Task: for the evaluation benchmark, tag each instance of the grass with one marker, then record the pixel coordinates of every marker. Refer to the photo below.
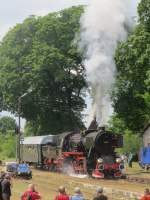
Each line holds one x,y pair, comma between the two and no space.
137,171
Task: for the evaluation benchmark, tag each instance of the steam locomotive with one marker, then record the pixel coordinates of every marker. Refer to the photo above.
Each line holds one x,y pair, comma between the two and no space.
102,160
89,152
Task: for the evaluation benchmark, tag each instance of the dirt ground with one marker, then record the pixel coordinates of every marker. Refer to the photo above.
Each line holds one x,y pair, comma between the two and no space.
47,184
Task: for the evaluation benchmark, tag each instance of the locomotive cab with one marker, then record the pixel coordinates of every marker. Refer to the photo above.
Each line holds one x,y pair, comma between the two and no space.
72,154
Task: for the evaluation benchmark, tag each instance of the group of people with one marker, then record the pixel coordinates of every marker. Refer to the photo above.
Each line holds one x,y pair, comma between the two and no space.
62,195
32,194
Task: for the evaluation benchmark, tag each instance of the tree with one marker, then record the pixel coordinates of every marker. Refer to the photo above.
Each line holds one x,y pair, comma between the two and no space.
147,93
135,140
144,13
117,125
133,63
7,124
40,54
7,146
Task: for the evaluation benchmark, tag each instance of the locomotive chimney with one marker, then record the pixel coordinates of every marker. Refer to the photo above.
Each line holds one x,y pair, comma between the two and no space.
93,124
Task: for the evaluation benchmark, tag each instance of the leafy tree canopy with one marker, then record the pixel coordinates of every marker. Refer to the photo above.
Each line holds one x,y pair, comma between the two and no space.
117,125
40,54
132,93
144,13
7,124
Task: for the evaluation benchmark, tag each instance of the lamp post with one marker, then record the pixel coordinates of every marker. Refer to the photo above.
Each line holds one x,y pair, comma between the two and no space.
19,124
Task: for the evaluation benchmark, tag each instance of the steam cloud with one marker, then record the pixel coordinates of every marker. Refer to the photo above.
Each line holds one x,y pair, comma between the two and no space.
103,24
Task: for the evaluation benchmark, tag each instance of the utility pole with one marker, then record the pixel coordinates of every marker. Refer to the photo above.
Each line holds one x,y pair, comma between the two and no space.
19,129
18,154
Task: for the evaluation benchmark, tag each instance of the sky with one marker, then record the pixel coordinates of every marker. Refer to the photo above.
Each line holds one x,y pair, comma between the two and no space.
15,11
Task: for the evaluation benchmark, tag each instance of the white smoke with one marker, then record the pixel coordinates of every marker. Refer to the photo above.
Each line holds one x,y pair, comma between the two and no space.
69,170
103,24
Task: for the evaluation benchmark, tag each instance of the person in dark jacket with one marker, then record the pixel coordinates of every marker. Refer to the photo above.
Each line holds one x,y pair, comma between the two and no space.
100,195
2,176
6,188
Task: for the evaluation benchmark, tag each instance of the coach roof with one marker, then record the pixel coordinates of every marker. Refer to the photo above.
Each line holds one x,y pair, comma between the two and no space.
45,139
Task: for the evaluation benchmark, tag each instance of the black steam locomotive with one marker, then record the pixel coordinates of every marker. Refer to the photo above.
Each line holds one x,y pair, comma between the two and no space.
91,151
102,160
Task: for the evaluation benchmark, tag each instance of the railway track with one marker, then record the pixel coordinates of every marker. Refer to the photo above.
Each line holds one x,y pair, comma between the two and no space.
128,177
135,179
138,179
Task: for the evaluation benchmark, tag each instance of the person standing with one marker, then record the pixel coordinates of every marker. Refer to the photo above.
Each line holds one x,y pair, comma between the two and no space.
146,195
62,194
31,193
100,195
2,176
78,195
6,187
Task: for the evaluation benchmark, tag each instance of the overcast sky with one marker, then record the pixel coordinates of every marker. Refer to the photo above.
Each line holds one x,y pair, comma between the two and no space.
15,11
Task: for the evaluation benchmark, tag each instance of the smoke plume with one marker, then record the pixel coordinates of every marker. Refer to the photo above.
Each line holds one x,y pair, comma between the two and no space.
103,24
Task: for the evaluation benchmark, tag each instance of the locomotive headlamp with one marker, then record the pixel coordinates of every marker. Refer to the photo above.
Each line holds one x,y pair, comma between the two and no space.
101,167
121,166
118,160
100,160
